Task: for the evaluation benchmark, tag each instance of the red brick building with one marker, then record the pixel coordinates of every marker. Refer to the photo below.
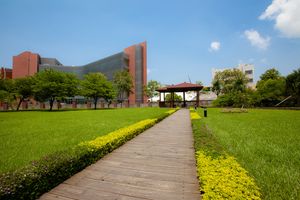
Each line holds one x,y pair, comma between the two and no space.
133,58
5,73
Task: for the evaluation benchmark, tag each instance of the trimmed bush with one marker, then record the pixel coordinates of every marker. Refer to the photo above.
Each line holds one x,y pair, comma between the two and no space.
169,112
42,175
223,178
194,115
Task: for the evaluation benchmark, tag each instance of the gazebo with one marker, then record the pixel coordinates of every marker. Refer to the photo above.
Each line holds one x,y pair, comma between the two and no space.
172,89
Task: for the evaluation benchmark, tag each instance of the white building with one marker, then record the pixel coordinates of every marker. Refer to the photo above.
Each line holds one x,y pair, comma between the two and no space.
247,69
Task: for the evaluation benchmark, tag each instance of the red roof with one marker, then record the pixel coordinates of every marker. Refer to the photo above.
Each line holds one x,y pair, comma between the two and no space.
181,87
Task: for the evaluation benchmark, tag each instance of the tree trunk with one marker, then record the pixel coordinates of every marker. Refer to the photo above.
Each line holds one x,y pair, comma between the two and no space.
58,105
95,102
19,104
51,103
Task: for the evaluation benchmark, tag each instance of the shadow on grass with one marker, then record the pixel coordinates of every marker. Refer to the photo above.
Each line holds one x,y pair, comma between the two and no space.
205,139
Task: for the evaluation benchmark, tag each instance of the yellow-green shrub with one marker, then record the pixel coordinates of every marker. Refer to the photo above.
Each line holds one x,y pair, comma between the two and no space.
169,112
118,136
194,115
223,178
192,109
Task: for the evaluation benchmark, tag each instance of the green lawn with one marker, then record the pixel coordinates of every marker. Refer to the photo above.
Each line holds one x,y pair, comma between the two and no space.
265,142
26,136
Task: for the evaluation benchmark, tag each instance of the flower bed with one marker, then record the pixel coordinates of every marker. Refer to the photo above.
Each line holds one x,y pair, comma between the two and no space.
42,175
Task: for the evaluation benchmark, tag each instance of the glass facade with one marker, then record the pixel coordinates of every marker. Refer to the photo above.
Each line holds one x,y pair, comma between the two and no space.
108,66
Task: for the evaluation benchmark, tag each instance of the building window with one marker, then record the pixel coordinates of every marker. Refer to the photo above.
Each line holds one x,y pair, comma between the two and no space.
250,80
248,72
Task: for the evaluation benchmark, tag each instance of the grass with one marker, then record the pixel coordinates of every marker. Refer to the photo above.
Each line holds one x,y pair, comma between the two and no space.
27,136
265,142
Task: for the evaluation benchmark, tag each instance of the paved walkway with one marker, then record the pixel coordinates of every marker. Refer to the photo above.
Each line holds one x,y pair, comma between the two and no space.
157,164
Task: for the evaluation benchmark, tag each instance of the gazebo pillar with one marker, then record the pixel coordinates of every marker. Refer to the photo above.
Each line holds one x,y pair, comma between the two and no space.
197,99
184,103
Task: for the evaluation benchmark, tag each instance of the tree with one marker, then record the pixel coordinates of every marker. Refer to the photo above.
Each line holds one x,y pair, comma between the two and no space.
54,85
199,83
24,89
176,97
230,87
123,83
229,81
216,86
270,74
96,86
293,86
271,88
7,91
151,88
236,99
206,89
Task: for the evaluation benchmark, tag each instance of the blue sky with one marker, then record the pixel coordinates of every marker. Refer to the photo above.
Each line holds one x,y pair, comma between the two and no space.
185,38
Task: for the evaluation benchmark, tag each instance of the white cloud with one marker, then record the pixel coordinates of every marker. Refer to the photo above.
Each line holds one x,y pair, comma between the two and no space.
148,71
257,40
286,15
215,46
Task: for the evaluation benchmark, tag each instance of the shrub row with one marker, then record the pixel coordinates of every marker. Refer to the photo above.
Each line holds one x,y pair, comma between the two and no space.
194,114
220,175
223,178
42,175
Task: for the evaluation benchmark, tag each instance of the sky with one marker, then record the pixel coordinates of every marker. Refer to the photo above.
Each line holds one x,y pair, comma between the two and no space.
185,38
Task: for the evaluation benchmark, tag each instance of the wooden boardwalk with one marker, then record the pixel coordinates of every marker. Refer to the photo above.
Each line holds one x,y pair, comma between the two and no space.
158,164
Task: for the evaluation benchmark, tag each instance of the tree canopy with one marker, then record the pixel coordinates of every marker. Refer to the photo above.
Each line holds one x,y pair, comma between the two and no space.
293,86
151,88
176,97
7,91
229,81
96,86
271,88
123,84
270,74
24,89
199,83
54,85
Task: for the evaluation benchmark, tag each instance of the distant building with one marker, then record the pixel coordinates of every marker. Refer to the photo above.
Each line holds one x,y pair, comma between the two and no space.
5,73
133,58
247,69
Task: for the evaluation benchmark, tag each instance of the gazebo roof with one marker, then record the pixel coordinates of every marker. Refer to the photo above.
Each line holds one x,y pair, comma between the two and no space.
182,87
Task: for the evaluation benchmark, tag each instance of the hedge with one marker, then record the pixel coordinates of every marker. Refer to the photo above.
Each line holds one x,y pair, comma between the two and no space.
224,178
44,174
194,114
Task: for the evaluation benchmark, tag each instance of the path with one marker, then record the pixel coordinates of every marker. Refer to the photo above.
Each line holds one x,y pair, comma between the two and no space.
157,164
